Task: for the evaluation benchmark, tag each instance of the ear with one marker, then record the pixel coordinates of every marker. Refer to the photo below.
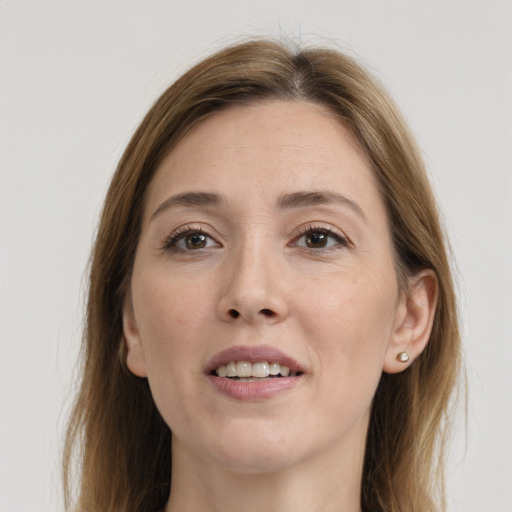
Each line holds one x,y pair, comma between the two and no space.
413,322
135,359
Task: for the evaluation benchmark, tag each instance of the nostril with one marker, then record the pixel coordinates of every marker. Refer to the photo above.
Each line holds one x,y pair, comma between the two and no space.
233,313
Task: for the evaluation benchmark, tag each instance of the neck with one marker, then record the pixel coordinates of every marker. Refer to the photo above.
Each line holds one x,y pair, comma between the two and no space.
329,482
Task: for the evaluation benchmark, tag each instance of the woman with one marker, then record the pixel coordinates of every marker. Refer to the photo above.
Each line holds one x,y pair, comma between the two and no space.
270,284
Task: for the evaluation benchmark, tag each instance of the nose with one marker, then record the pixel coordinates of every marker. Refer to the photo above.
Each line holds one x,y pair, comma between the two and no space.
254,288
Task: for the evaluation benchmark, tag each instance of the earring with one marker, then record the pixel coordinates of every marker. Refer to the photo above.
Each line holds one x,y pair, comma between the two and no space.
403,357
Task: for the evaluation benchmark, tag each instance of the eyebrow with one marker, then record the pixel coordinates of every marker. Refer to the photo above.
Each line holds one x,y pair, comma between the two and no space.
190,199
285,202
315,198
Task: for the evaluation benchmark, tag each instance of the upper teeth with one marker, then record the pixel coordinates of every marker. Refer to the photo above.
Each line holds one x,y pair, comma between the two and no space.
244,369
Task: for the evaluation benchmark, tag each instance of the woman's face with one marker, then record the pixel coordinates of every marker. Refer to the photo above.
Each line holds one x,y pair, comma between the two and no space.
264,240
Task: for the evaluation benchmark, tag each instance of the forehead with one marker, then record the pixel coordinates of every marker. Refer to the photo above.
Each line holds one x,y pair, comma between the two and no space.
267,149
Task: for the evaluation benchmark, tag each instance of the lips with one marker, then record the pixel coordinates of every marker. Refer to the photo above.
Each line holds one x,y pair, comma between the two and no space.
253,355
253,389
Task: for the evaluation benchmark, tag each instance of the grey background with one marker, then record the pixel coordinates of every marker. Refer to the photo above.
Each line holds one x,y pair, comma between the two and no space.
76,78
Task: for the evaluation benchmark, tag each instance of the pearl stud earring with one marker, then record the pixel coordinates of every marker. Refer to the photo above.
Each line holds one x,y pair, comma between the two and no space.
403,357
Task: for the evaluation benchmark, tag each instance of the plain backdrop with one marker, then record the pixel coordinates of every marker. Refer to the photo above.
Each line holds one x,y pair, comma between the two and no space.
75,79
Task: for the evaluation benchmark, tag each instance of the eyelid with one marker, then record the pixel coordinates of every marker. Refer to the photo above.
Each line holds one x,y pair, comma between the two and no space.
178,234
310,227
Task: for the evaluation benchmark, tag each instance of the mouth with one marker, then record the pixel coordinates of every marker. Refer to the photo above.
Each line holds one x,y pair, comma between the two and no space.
253,373
248,372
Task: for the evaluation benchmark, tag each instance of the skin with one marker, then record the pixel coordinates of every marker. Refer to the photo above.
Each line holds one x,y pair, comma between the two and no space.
337,310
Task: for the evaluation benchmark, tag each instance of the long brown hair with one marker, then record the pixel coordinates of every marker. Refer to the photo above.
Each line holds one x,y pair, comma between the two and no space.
119,443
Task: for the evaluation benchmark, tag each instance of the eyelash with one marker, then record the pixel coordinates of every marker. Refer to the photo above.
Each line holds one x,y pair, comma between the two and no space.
341,240
170,243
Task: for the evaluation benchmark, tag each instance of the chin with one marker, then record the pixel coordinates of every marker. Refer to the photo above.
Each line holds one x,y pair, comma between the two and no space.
254,448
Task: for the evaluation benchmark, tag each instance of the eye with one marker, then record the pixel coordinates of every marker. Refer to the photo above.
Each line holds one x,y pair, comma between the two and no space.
320,238
190,240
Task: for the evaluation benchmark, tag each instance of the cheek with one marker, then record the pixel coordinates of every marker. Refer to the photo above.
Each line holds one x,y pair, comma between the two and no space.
171,316
350,324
